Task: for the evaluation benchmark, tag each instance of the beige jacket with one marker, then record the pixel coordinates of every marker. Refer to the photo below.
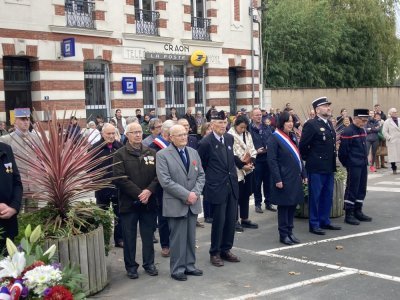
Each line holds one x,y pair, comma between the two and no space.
240,149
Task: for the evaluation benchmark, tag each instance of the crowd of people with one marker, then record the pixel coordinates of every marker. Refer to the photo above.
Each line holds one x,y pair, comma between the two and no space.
167,172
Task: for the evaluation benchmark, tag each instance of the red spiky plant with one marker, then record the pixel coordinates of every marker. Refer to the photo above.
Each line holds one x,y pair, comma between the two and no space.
62,169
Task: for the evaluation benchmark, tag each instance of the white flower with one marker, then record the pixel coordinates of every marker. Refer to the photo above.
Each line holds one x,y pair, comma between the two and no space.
12,267
42,277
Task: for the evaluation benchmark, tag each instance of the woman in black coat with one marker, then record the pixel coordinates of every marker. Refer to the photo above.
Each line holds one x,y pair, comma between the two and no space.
288,175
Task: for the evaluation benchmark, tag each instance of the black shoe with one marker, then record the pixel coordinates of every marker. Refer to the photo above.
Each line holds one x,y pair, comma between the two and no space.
359,215
208,220
331,227
249,224
152,271
317,231
133,274
155,241
269,207
294,239
350,219
286,240
259,210
195,272
179,276
238,227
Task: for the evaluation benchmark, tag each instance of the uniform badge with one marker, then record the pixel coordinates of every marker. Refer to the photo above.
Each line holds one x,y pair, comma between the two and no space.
229,147
146,160
8,167
151,159
322,129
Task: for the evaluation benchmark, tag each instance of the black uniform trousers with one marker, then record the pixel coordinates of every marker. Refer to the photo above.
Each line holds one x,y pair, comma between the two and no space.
356,187
130,220
104,203
285,219
223,225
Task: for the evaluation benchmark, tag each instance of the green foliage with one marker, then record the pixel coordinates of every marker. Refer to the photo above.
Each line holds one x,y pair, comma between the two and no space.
330,43
81,218
72,279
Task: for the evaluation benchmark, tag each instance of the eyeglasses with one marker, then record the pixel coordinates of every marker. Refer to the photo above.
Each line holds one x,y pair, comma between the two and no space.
135,132
180,135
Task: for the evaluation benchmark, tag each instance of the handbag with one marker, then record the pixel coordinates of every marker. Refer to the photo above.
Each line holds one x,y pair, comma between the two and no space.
381,137
382,151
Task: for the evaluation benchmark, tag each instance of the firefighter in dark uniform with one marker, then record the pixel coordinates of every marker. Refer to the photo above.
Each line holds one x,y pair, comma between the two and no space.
318,149
354,157
10,194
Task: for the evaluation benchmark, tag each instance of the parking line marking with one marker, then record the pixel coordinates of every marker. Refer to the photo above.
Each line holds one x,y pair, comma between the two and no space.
387,183
331,239
294,285
383,189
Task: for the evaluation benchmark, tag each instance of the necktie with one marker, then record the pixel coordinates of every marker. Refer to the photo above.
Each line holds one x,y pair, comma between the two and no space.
183,157
221,140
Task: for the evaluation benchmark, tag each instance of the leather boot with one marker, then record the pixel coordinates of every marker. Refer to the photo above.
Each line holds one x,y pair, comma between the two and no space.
350,219
359,215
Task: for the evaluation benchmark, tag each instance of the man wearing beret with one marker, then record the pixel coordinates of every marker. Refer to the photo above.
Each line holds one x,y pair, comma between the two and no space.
22,142
353,155
318,149
221,188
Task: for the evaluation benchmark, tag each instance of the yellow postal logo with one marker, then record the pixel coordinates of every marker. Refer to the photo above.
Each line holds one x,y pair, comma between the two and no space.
198,58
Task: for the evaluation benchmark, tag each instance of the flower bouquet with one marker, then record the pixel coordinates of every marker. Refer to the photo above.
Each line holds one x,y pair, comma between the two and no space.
28,272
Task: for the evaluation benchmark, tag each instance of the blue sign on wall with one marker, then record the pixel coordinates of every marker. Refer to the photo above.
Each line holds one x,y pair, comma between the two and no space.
129,85
68,47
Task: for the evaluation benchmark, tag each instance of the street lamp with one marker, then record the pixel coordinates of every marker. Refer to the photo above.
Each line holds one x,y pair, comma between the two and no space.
255,18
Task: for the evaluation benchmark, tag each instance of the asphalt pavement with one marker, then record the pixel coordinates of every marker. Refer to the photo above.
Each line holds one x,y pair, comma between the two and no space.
357,262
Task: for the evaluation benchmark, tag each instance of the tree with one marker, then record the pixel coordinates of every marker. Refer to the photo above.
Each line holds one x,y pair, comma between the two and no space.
336,43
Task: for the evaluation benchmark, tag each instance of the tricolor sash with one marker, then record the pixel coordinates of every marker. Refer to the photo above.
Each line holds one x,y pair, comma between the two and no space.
289,145
160,142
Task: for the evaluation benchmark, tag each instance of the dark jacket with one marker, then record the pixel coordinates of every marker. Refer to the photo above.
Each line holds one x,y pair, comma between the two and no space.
10,190
318,146
353,147
192,123
104,195
260,138
140,168
219,167
285,168
372,128
193,142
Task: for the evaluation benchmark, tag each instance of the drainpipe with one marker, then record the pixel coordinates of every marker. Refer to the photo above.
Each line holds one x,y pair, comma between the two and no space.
251,8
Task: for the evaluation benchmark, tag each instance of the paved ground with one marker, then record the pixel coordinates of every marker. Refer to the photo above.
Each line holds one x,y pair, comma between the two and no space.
358,262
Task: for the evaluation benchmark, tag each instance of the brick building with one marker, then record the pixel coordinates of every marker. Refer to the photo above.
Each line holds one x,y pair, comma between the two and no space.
75,54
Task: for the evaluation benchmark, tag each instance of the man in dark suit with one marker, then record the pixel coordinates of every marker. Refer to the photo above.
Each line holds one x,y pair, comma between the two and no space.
181,176
221,188
192,139
318,149
10,194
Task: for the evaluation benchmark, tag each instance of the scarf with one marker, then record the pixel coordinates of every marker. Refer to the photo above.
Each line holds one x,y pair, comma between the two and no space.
289,145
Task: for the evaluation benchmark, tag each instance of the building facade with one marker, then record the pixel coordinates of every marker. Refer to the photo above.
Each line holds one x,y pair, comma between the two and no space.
92,57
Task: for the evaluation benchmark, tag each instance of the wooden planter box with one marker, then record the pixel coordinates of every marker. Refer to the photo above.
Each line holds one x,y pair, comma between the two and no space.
87,252
337,205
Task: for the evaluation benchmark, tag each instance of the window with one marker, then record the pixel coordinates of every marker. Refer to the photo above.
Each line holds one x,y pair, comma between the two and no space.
80,13
146,17
199,89
149,91
96,89
175,87
200,24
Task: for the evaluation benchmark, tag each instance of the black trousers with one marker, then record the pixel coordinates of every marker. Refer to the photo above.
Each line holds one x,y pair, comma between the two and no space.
285,219
243,201
223,225
374,147
262,178
356,187
163,229
9,229
129,232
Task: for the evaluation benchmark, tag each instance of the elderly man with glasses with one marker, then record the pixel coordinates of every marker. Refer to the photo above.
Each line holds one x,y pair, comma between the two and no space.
135,165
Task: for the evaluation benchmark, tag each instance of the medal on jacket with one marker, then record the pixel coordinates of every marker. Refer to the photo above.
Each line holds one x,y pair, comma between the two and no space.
8,167
146,160
151,160
195,165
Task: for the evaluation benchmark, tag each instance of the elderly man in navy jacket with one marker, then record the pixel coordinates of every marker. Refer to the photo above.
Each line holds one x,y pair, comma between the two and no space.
221,188
318,149
353,155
